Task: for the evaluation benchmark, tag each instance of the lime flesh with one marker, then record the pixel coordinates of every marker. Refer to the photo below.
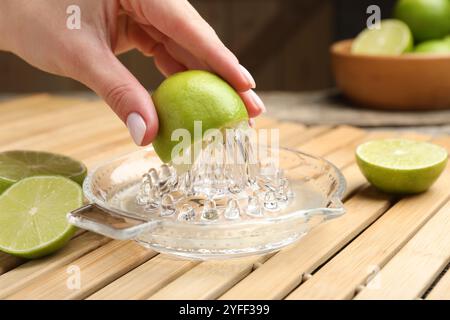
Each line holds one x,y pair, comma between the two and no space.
191,96
18,164
392,38
401,166
33,215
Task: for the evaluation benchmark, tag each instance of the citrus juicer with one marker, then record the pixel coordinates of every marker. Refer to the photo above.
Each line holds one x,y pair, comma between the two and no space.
216,208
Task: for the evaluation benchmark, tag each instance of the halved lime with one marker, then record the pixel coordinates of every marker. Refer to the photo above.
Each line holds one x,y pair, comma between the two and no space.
401,166
33,215
393,37
190,96
18,164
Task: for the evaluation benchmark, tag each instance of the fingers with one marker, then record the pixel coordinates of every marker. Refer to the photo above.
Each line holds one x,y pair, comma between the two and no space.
165,63
253,102
179,21
123,93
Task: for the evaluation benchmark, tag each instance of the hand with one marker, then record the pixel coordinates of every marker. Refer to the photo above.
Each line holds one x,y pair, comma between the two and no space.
171,31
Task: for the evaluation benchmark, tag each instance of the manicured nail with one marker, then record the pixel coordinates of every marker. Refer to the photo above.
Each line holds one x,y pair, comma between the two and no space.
257,100
251,123
137,127
248,76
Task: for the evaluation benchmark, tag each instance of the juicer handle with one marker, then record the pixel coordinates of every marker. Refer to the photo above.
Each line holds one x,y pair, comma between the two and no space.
93,218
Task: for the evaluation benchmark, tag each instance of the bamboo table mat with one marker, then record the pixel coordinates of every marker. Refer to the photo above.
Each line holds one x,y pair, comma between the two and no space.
382,248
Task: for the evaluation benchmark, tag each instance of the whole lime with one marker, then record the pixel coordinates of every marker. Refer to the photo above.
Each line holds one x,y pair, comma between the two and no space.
190,96
401,166
428,19
434,46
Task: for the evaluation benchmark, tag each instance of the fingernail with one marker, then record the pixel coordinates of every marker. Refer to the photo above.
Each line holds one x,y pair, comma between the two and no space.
137,127
251,123
257,100
248,76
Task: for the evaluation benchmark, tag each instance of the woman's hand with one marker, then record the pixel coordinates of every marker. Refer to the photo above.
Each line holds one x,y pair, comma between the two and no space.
171,31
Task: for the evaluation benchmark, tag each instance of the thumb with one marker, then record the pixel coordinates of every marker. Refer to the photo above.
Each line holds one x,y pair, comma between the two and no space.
125,95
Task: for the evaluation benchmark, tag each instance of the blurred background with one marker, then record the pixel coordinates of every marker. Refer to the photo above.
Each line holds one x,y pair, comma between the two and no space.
284,43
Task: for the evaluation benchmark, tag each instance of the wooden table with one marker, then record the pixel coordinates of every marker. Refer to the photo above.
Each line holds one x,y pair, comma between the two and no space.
381,248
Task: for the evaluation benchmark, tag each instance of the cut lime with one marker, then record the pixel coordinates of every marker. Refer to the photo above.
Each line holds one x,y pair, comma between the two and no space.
191,96
19,164
401,166
393,37
33,215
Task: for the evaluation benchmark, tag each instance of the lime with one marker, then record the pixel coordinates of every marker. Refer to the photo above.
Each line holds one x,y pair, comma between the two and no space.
433,46
16,165
33,215
401,166
428,19
447,39
392,38
190,96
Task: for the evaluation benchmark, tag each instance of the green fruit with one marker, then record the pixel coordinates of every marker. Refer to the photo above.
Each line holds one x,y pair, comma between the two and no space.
33,215
401,166
447,39
16,165
433,46
392,38
190,96
428,19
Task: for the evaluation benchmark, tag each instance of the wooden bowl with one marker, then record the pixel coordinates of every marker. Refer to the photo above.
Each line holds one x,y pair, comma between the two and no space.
413,82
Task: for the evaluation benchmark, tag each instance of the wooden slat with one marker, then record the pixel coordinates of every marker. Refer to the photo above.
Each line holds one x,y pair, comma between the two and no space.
332,140
98,268
414,268
284,271
209,279
8,262
289,131
340,277
346,155
311,133
61,116
27,106
145,280
19,277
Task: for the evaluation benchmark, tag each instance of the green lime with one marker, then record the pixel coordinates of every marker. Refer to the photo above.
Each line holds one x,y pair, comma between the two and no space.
393,37
19,164
433,46
447,39
33,215
401,166
428,19
190,96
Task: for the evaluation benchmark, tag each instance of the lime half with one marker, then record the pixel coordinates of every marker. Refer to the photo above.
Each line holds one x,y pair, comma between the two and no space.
401,166
33,215
393,37
19,164
194,96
